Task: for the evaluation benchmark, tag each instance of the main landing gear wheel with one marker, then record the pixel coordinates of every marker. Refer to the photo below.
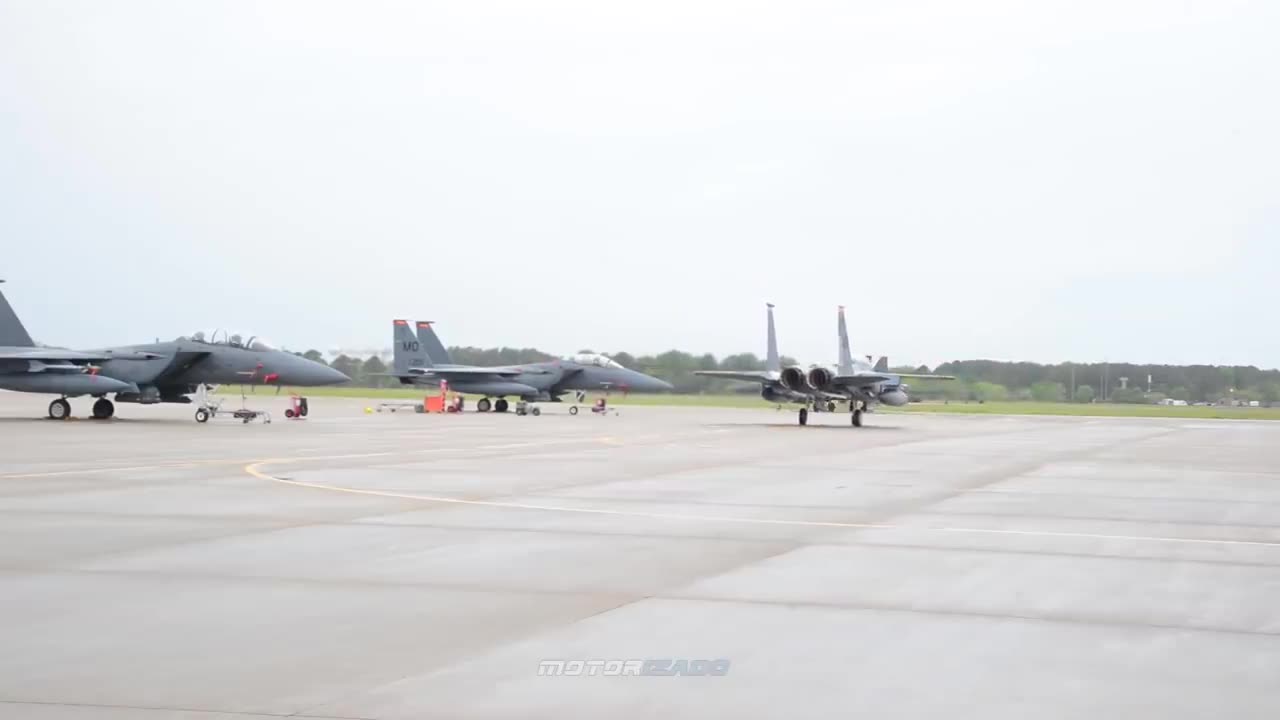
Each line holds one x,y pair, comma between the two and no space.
804,416
501,405
857,418
103,409
573,409
202,415
483,405
60,409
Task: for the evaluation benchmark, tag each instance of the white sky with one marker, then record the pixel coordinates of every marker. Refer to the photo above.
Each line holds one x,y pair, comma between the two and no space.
1018,180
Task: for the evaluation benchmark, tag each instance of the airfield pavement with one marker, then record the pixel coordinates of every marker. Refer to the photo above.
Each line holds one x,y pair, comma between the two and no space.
410,566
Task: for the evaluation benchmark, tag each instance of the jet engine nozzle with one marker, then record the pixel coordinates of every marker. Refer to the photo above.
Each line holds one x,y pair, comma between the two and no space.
793,378
820,377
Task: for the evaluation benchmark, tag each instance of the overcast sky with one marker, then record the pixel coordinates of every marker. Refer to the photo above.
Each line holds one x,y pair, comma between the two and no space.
1016,180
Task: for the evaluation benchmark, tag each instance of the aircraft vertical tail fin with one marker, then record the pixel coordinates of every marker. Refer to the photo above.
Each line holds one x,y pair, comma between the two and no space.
431,344
772,362
406,351
845,358
11,330
882,365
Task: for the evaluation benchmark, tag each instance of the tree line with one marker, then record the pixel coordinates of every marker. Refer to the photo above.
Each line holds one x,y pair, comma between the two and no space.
977,380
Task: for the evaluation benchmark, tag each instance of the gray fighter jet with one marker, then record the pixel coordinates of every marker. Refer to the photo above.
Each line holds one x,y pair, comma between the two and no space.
423,360
853,381
159,372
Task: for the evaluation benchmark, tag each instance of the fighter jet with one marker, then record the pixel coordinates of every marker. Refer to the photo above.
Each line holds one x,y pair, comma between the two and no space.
821,386
423,360
159,372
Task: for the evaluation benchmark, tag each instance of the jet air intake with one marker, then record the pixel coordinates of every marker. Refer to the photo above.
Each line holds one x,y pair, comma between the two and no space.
793,379
820,377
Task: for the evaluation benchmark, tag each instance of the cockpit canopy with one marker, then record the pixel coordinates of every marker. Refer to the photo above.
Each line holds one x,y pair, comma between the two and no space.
594,359
222,337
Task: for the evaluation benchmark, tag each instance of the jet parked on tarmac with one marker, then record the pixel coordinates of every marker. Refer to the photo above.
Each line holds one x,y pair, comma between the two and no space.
856,382
423,360
147,374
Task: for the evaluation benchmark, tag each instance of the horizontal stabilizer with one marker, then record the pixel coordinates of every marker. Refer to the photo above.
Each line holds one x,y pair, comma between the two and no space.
760,376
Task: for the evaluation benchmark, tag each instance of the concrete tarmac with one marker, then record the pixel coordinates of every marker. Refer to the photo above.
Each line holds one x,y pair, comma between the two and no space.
358,565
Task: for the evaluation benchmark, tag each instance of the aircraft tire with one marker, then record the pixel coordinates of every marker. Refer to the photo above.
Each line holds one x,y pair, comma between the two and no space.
573,409
60,409
103,409
202,415
536,412
483,405
804,416
857,418
501,405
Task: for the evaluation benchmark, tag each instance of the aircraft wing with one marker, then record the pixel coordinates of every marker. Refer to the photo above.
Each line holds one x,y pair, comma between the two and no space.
925,376
39,353
860,379
760,376
864,379
466,372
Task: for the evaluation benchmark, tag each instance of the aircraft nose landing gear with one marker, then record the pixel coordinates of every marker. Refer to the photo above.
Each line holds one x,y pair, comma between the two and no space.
855,417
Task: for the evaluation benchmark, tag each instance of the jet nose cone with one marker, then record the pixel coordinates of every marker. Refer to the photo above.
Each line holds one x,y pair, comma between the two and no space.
640,382
329,376
301,372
